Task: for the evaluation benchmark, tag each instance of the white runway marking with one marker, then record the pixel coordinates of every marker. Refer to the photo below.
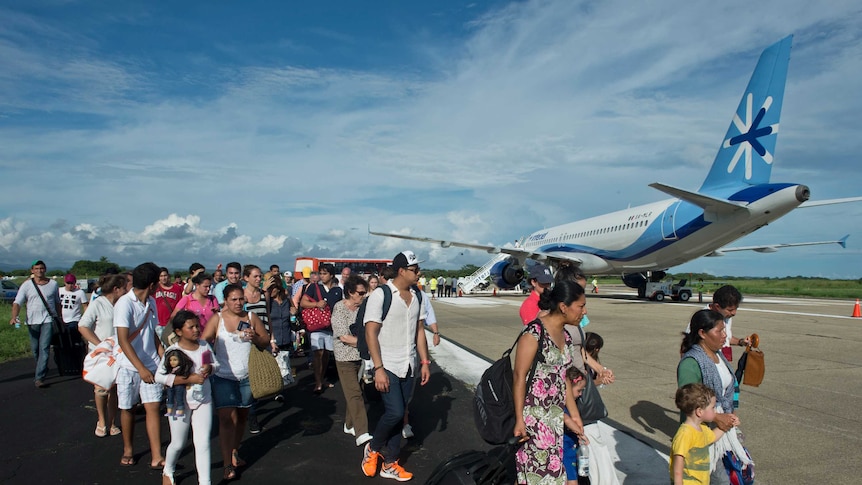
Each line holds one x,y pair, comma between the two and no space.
467,301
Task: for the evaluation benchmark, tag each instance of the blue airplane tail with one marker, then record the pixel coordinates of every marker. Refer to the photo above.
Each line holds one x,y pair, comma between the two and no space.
746,154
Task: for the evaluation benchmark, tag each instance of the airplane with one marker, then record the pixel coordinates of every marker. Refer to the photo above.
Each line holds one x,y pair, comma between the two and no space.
641,243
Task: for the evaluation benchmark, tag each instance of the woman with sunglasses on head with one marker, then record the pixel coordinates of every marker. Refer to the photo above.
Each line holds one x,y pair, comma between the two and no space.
281,310
325,293
347,359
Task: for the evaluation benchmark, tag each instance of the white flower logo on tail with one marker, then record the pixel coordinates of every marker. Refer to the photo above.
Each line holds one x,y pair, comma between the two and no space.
750,130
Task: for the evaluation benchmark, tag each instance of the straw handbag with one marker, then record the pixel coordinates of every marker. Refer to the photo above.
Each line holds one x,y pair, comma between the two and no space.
264,376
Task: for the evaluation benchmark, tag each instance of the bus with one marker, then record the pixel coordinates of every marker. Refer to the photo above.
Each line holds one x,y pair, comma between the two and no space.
362,266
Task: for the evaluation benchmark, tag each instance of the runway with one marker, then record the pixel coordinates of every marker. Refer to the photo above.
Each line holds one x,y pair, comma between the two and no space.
801,425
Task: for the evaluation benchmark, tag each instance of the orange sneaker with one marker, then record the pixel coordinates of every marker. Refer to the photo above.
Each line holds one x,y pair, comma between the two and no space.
394,470
369,461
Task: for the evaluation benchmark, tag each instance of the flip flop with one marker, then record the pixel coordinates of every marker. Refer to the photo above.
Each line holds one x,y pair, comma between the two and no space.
229,472
101,431
127,461
158,466
115,431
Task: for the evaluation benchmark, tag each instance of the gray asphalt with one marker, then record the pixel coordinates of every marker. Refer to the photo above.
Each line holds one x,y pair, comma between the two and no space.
801,425
48,435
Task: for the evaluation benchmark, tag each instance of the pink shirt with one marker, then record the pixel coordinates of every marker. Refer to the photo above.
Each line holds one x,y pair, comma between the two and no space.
203,312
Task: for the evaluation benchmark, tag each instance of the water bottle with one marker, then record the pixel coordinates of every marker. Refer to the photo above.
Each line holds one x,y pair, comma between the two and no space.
17,322
583,460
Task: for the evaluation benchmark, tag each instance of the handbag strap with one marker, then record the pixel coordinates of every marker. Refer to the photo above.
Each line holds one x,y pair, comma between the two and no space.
583,339
44,301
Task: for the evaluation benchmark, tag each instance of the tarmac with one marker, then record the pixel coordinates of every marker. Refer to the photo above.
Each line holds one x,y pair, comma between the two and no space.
798,424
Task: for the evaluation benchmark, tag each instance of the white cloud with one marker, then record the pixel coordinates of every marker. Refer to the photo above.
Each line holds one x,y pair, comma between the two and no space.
588,101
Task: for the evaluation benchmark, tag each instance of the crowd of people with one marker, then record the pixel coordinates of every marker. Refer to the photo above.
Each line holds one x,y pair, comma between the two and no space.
183,350
190,342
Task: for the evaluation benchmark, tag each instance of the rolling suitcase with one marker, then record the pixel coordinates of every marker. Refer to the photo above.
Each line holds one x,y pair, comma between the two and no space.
69,352
494,467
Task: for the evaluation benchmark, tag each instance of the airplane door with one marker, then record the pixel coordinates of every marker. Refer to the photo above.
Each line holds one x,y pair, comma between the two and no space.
668,226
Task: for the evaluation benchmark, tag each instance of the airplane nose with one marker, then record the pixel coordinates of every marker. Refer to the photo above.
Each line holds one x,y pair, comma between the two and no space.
802,193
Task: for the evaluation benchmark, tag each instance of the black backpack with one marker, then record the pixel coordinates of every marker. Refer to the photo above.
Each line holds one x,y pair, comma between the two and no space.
494,401
357,328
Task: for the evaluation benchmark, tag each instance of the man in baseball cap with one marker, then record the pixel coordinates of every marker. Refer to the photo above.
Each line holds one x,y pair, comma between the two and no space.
540,279
394,363
405,259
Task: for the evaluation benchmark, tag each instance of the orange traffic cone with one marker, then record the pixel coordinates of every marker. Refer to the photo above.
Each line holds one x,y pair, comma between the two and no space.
495,292
459,293
857,313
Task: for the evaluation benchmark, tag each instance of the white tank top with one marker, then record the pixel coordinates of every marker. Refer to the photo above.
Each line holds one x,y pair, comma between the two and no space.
231,354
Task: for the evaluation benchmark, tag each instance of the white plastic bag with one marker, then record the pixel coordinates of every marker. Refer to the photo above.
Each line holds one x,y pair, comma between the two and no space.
283,359
100,365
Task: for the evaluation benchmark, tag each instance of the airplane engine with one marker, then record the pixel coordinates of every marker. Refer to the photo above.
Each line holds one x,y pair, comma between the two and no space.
639,280
635,280
506,275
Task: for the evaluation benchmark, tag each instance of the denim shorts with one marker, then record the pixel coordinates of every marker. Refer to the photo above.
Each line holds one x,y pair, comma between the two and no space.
228,393
321,340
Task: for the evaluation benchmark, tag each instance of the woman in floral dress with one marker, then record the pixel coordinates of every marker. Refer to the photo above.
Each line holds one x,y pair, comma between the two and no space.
539,412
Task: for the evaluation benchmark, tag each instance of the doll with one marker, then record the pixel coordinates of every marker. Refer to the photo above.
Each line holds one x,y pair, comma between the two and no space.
179,364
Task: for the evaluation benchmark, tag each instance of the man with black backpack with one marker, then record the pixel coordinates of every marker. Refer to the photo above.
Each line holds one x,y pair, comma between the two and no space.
394,362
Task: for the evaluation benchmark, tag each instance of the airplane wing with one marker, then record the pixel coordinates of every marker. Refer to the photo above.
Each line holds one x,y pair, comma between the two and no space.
771,248
519,253
817,203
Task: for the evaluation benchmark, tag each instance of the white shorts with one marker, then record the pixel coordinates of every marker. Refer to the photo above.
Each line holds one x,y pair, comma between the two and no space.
130,388
321,340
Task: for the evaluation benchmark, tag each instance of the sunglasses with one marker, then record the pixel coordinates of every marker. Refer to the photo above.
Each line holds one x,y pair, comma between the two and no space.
361,293
411,268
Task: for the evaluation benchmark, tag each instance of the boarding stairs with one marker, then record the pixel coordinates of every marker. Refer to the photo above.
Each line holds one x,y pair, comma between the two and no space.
468,283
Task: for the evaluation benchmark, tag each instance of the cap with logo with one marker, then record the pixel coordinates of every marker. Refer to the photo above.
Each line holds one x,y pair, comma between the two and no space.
541,273
405,259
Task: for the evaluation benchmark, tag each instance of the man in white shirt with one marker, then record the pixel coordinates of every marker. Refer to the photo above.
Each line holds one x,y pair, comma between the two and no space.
135,320
393,343
40,320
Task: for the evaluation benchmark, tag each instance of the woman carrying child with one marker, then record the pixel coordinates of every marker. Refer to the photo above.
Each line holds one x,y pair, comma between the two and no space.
198,402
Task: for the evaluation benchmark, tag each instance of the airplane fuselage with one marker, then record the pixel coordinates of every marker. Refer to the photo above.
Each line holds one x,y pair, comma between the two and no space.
663,234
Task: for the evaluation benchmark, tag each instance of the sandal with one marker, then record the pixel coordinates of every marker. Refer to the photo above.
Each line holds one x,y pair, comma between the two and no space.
101,431
127,461
158,466
237,461
115,431
229,472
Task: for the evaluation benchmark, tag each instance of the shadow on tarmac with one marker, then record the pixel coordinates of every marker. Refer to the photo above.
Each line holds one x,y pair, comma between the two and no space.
48,434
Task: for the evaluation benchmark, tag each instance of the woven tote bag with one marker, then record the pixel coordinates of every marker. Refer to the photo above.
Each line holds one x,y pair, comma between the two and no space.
264,376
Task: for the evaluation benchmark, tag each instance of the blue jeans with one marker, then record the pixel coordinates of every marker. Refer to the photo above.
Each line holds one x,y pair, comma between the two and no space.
40,344
387,435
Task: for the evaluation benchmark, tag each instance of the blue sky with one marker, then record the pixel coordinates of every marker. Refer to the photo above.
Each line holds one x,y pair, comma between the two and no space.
258,131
